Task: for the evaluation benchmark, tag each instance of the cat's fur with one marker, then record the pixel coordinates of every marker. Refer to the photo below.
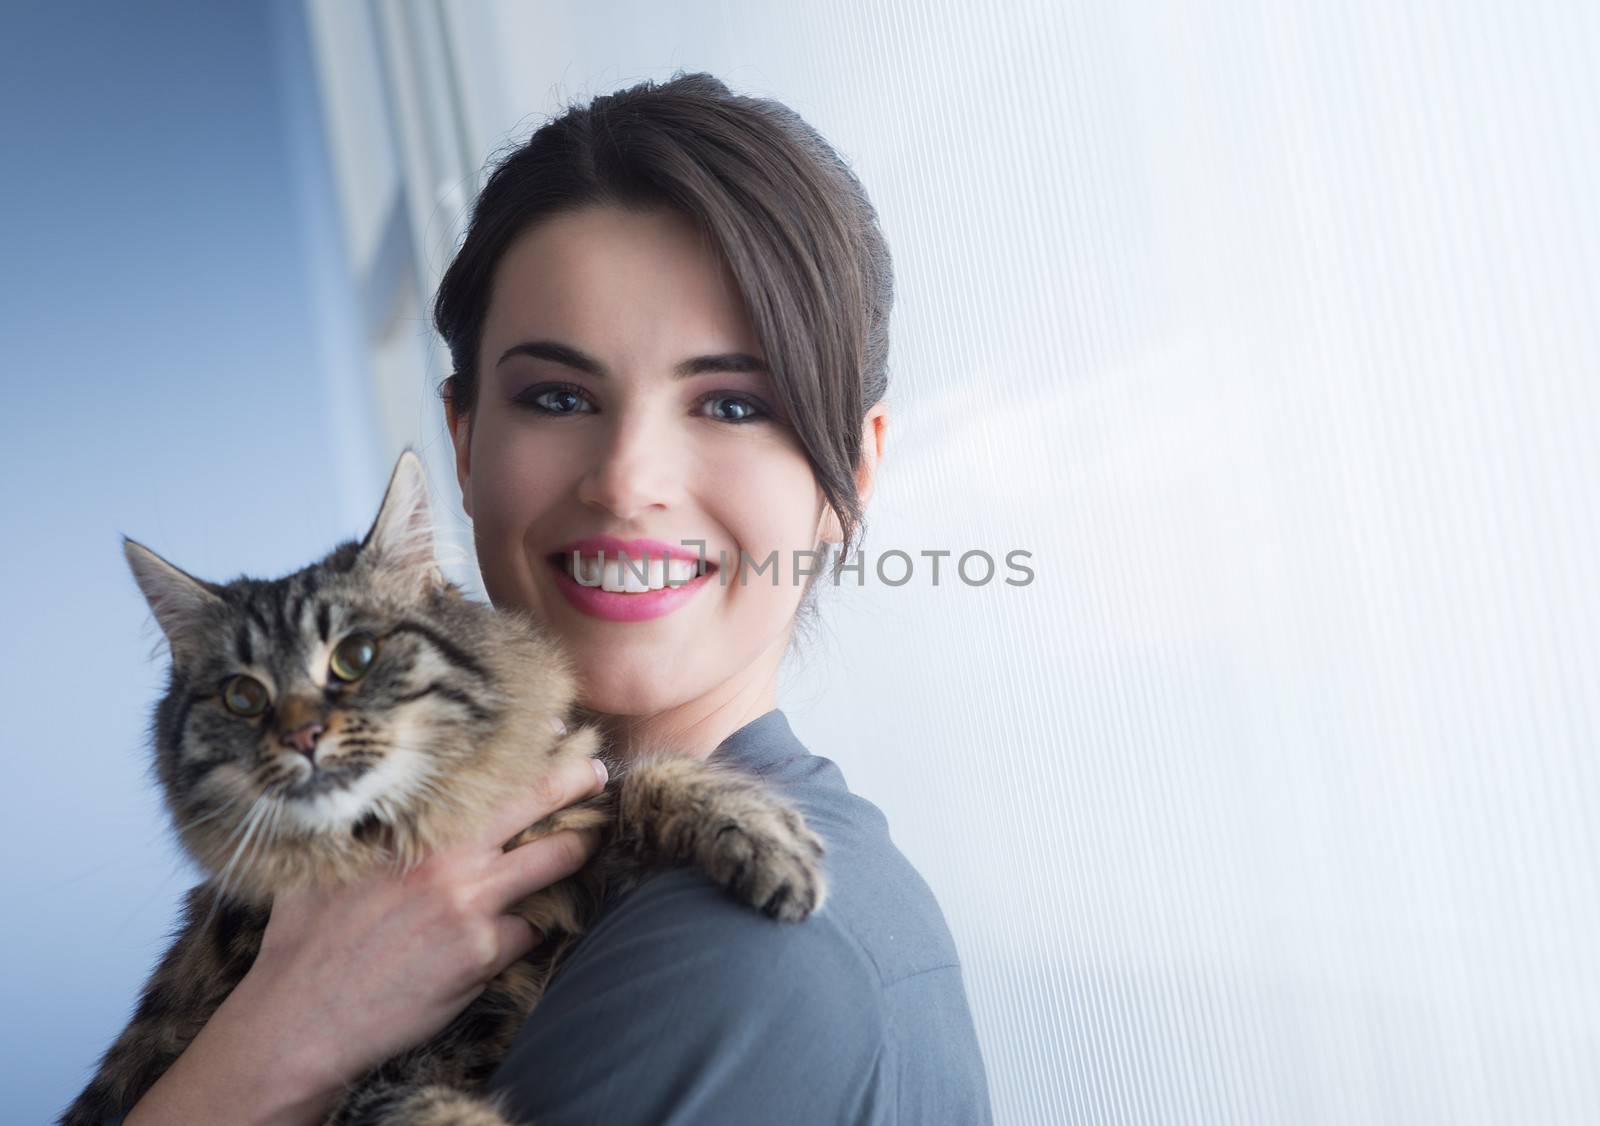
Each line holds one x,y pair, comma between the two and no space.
463,704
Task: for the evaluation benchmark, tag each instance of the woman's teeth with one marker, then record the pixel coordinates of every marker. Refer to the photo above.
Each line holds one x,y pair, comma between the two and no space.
622,576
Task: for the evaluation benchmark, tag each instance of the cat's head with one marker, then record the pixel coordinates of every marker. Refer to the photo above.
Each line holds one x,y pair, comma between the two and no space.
340,713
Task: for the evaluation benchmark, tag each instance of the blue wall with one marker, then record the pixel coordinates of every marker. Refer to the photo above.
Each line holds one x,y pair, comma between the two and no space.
171,266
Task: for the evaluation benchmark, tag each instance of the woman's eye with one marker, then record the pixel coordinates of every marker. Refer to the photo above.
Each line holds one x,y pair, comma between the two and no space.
551,400
353,656
244,696
741,410
563,399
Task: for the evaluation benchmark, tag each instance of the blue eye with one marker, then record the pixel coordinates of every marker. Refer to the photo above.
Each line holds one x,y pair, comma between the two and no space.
567,399
750,411
561,398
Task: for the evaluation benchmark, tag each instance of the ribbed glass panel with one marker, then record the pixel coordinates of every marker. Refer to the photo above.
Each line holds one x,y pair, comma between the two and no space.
1270,331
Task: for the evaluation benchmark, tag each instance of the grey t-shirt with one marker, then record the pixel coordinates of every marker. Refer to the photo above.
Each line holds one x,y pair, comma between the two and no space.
683,1006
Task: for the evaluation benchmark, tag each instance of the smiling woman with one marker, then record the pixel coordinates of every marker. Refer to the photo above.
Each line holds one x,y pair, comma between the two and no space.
652,417
668,324
668,328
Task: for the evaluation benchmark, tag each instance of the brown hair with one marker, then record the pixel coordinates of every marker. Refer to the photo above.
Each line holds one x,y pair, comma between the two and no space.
788,216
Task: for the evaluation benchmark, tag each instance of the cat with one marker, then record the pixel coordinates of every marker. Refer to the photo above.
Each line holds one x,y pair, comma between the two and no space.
421,709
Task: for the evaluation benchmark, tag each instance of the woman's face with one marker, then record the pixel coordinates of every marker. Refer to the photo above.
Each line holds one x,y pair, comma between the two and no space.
592,419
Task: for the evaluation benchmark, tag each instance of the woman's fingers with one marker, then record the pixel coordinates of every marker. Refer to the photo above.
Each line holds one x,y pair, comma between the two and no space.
538,864
516,937
442,927
566,780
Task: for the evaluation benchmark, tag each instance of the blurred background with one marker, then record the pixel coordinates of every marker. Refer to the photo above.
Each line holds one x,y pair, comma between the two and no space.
1270,330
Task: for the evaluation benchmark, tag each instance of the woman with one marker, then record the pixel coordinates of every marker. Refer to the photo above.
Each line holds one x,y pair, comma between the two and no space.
669,328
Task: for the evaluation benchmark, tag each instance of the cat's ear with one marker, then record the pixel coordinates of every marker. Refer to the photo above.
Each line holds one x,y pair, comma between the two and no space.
177,599
400,542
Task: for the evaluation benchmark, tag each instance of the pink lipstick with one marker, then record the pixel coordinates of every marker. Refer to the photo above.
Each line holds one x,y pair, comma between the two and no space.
636,556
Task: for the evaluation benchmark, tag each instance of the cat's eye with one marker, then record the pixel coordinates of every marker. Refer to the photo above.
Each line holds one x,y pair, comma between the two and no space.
353,656
244,695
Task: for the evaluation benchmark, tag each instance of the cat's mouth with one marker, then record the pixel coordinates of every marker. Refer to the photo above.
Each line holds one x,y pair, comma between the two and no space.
326,780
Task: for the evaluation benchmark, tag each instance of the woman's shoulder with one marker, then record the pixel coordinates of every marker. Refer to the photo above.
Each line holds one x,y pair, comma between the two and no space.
681,924
878,902
877,897
682,1004
880,922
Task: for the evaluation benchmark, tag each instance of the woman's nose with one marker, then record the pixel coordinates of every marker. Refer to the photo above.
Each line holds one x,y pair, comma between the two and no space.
635,470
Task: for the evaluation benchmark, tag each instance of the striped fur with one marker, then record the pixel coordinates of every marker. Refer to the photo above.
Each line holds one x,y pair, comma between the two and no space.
462,703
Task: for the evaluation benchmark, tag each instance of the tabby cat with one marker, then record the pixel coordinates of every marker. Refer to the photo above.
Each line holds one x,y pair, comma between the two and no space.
363,711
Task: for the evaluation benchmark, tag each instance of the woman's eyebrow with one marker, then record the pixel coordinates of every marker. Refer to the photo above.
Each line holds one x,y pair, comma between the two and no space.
571,357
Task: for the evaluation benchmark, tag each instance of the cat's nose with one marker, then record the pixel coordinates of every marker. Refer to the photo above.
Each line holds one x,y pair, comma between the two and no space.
303,739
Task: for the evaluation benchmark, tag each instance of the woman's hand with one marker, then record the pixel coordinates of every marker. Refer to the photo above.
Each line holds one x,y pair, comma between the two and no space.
349,977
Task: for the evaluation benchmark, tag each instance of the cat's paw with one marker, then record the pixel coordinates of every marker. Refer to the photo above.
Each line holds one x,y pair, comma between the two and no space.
770,859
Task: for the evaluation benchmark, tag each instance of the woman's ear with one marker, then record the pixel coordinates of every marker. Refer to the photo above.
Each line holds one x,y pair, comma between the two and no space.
874,440
460,425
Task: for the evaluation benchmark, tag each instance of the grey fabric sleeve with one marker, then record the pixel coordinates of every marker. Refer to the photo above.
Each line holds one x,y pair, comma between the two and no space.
686,1007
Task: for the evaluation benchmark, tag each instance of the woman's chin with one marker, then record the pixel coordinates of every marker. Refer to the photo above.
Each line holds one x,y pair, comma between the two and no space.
622,692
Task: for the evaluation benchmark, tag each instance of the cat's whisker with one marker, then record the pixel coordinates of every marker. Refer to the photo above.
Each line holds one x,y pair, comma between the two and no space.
203,818
244,821
265,837
223,876
234,865
257,810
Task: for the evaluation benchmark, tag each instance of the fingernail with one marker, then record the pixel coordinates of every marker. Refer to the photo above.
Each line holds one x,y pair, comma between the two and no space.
556,726
599,770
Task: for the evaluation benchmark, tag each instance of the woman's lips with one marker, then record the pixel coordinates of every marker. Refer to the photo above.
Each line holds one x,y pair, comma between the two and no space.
614,607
